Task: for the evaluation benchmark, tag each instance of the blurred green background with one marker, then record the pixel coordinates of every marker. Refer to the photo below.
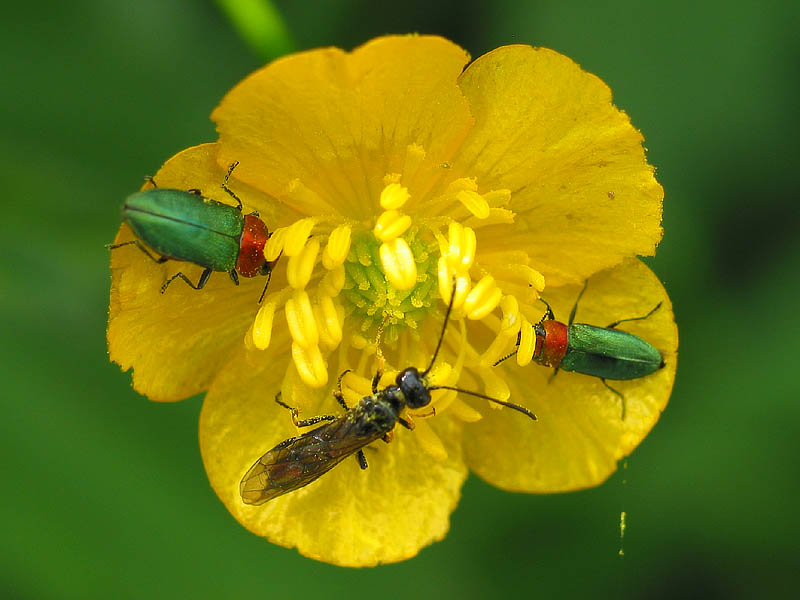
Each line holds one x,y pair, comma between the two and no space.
104,493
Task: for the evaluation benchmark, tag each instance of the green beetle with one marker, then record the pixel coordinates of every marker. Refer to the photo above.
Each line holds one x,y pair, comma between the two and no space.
183,225
604,352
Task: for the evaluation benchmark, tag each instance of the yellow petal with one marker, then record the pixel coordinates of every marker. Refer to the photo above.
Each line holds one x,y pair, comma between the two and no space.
580,435
585,196
315,116
410,495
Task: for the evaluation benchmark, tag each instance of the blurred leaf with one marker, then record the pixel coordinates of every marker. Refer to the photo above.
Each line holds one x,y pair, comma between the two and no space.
260,25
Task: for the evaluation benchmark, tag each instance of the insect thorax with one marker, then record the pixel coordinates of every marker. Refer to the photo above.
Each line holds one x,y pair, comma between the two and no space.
376,414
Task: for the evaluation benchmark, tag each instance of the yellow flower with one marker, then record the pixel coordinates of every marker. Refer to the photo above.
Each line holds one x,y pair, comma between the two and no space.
386,174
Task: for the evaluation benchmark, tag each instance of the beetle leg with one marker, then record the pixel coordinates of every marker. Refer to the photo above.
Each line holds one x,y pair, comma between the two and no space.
138,244
555,372
234,276
201,282
621,397
225,184
578,299
362,460
149,179
195,191
615,323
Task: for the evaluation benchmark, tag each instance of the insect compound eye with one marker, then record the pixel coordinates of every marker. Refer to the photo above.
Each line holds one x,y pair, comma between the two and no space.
414,389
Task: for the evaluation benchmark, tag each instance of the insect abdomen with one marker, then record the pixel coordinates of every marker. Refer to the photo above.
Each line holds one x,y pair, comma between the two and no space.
609,353
184,226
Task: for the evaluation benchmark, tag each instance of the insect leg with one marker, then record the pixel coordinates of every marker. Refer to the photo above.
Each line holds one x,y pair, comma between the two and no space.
362,460
138,244
578,299
555,372
200,284
615,323
225,184
234,276
621,397
150,180
338,394
303,422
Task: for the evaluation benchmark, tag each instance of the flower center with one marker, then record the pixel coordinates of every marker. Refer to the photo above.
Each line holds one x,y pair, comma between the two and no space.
370,295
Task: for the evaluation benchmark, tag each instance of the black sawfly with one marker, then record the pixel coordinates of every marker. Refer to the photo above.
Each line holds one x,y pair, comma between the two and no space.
298,461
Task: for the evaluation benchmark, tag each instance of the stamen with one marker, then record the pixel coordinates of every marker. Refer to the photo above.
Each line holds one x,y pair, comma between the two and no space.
296,235
483,299
310,365
474,203
462,246
300,266
429,441
398,264
300,320
338,246
494,385
445,277
274,245
391,224
527,343
333,281
261,332
463,411
394,196
329,317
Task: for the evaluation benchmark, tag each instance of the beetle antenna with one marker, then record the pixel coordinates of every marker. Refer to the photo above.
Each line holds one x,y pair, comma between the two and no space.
444,327
516,407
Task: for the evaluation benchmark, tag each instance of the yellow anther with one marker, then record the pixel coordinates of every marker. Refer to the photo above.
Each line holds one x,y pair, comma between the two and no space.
462,183
462,245
497,197
445,278
329,319
332,282
398,264
391,224
310,365
274,245
474,203
300,320
429,441
261,332
296,235
394,196
359,342
304,199
511,316
494,385
483,298
360,385
527,343
300,266
338,246
464,412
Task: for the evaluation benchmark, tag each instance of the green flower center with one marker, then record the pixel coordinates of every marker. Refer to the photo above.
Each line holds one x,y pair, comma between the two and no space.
368,296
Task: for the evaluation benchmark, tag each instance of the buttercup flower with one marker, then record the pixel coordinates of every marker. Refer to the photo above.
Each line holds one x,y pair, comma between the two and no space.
386,175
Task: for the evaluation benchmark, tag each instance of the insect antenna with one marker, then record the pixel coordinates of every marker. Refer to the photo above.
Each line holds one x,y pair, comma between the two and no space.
444,328
516,407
